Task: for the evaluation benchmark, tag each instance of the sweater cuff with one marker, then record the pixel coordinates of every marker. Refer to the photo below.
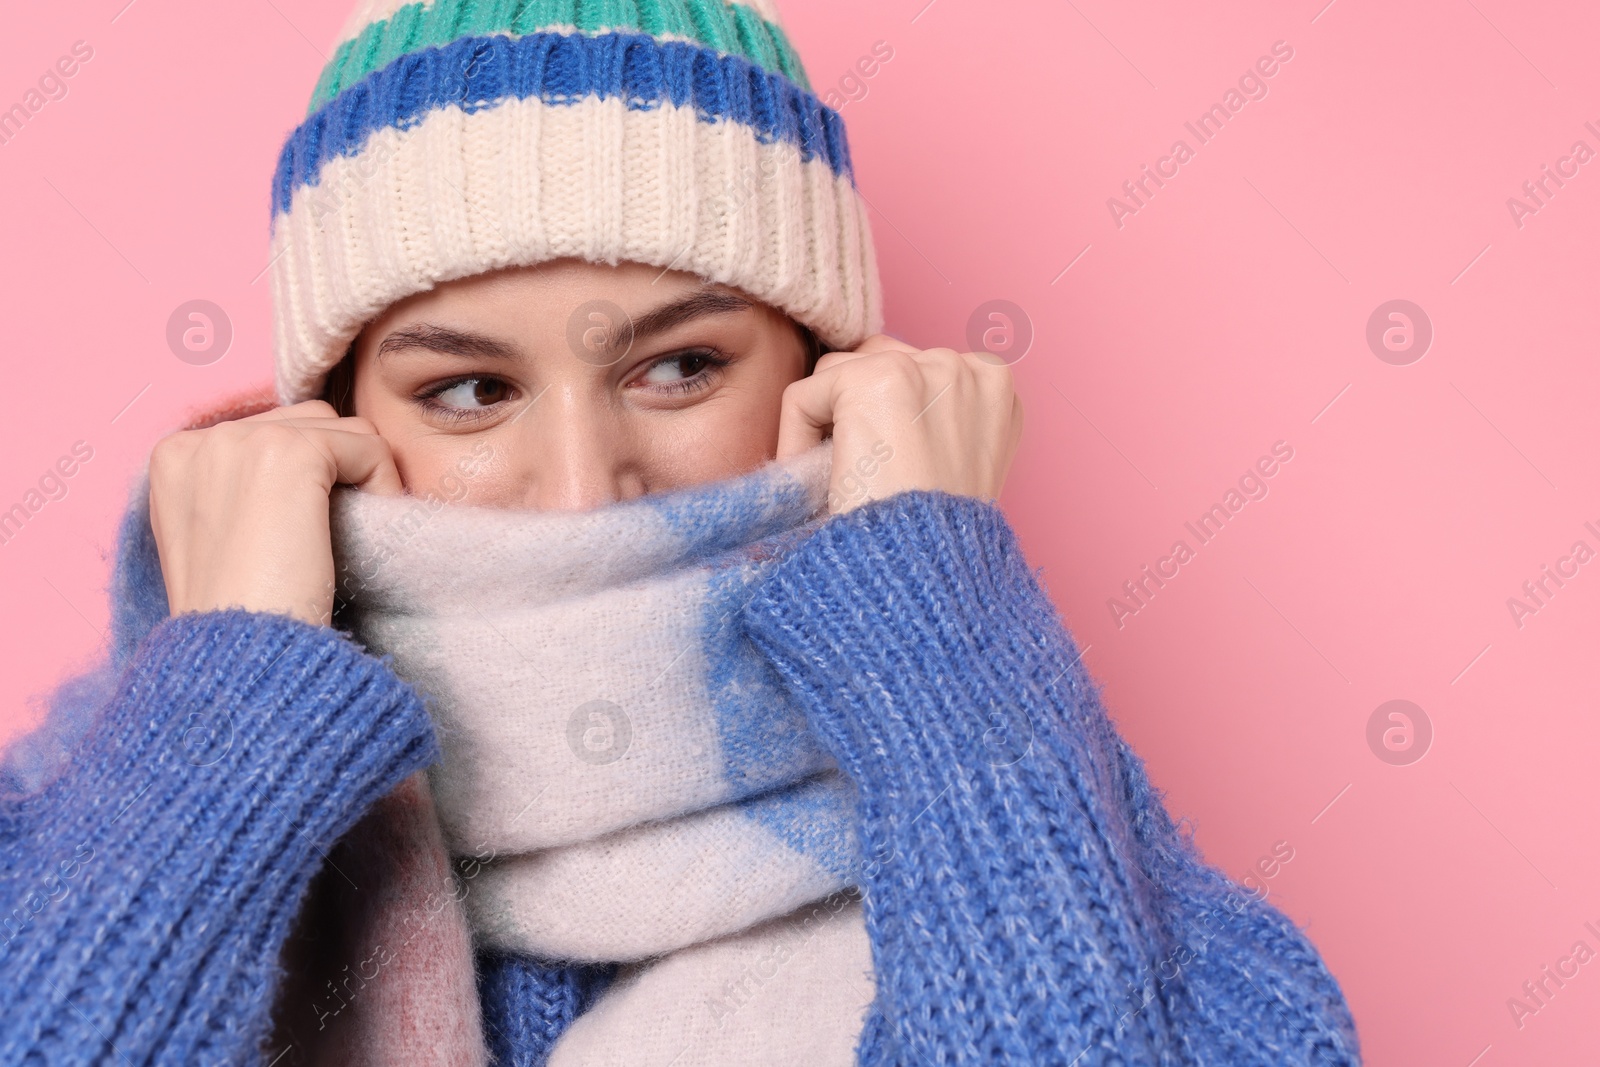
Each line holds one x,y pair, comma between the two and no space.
233,725
900,622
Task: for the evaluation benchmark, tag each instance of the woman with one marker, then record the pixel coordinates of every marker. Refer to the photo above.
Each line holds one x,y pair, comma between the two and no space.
844,792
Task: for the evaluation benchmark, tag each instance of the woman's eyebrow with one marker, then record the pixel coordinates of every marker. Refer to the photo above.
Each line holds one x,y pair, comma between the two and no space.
704,301
443,339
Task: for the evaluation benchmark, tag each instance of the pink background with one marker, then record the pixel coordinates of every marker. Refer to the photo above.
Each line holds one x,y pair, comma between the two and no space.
1227,314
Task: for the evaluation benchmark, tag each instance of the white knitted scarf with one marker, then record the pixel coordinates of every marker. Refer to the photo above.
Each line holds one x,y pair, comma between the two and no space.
625,776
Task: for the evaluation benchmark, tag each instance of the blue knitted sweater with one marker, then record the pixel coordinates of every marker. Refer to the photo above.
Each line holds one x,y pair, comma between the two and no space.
1027,896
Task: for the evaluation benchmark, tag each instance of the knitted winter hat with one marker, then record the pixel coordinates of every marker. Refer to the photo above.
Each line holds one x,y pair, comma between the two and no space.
451,137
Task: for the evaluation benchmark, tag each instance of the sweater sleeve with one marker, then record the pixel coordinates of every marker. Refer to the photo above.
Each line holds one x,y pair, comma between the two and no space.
147,889
1028,898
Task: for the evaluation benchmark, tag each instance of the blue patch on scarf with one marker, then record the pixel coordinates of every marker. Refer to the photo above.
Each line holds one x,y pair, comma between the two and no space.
765,739
717,516
816,819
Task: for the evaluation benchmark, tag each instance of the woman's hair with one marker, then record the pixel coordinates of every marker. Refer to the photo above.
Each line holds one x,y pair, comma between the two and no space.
339,388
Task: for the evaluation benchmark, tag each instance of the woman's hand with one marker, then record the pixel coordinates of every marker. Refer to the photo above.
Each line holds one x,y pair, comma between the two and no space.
905,419
240,509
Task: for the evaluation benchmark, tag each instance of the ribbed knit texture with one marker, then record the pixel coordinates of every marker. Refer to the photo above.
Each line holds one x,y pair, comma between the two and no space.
527,1004
1028,899
144,891
1025,887
455,137
728,29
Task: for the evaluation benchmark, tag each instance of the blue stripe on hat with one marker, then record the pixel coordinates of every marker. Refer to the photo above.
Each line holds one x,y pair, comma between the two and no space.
475,73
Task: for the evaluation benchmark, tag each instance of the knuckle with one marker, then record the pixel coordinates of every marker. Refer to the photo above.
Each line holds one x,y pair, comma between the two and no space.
316,409
903,364
894,373
165,449
170,454
183,445
991,369
227,434
272,443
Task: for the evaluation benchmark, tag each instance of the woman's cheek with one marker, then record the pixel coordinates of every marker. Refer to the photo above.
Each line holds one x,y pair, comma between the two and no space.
484,473
732,434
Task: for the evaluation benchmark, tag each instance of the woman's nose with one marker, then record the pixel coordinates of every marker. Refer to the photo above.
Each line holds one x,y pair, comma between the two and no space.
573,453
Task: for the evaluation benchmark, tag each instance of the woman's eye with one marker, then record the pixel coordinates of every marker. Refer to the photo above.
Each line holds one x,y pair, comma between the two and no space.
676,368
473,393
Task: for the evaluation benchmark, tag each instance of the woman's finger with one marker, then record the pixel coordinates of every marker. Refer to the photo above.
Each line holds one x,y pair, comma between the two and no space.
364,461
833,359
359,459
882,342
306,409
806,412
345,425
877,343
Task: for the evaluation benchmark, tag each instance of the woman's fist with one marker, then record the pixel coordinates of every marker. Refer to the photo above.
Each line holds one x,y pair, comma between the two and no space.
906,419
240,509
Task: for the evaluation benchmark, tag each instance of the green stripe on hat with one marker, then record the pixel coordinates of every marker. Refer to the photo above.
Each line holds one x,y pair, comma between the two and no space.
730,28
